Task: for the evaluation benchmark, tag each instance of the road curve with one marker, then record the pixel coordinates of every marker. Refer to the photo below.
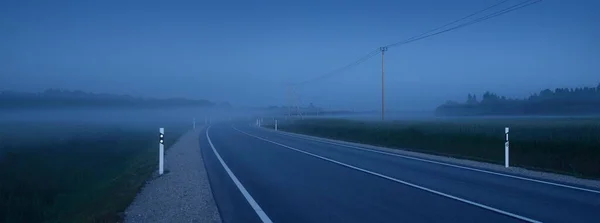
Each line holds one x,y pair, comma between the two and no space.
262,176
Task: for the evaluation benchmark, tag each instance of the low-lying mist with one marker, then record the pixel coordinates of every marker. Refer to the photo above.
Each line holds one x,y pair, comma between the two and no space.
126,117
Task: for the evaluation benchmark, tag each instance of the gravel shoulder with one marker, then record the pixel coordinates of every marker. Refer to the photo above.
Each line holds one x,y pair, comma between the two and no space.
514,171
182,194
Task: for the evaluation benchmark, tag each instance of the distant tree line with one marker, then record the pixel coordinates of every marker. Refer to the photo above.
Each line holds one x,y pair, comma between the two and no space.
55,98
561,101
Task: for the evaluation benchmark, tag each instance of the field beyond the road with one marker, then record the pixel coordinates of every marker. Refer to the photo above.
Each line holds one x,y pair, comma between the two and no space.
69,172
562,145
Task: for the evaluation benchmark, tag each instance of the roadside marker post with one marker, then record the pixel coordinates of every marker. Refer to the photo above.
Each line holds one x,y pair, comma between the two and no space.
161,150
275,125
506,149
194,123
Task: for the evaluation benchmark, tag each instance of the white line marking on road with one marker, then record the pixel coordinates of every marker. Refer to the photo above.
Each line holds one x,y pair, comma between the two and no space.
441,163
259,211
398,181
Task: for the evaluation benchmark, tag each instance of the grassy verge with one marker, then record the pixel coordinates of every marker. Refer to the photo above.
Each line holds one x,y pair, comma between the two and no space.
74,173
567,146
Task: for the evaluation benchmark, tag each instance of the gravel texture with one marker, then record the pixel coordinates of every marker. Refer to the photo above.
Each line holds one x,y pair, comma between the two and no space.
182,194
516,171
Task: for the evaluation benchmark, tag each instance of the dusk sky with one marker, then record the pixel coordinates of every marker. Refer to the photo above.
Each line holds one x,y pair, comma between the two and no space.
244,51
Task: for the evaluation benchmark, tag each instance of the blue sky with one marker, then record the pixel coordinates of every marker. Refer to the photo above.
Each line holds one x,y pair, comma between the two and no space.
243,51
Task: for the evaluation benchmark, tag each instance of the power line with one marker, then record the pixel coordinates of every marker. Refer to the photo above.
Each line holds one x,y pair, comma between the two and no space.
451,23
428,34
481,19
341,70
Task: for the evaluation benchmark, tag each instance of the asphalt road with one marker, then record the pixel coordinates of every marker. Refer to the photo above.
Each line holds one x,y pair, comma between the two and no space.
259,175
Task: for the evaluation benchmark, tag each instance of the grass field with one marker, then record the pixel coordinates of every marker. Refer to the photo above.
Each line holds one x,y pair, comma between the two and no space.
67,172
563,145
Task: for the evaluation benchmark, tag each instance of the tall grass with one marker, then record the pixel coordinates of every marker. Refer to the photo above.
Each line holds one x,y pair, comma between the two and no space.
74,173
568,146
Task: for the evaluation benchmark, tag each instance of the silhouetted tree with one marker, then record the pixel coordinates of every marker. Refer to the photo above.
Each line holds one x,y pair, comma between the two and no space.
581,100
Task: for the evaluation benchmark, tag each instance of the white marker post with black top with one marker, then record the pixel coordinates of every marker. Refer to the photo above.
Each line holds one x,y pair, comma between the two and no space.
506,150
161,150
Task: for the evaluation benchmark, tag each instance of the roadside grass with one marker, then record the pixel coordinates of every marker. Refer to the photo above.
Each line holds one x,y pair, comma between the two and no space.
562,145
64,172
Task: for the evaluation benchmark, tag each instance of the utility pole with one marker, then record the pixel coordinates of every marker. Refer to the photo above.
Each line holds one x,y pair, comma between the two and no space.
290,101
296,96
383,49
287,103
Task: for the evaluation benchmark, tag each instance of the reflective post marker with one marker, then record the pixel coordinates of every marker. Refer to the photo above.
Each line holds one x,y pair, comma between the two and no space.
275,125
506,151
194,123
161,150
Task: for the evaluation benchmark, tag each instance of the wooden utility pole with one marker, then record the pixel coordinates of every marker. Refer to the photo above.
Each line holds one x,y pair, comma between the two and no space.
288,94
298,103
383,49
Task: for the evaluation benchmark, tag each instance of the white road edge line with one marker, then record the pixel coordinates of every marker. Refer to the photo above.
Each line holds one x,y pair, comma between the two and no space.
442,163
259,211
399,181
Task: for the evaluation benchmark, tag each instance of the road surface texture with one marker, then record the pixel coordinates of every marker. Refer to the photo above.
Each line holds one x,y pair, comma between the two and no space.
182,194
259,175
